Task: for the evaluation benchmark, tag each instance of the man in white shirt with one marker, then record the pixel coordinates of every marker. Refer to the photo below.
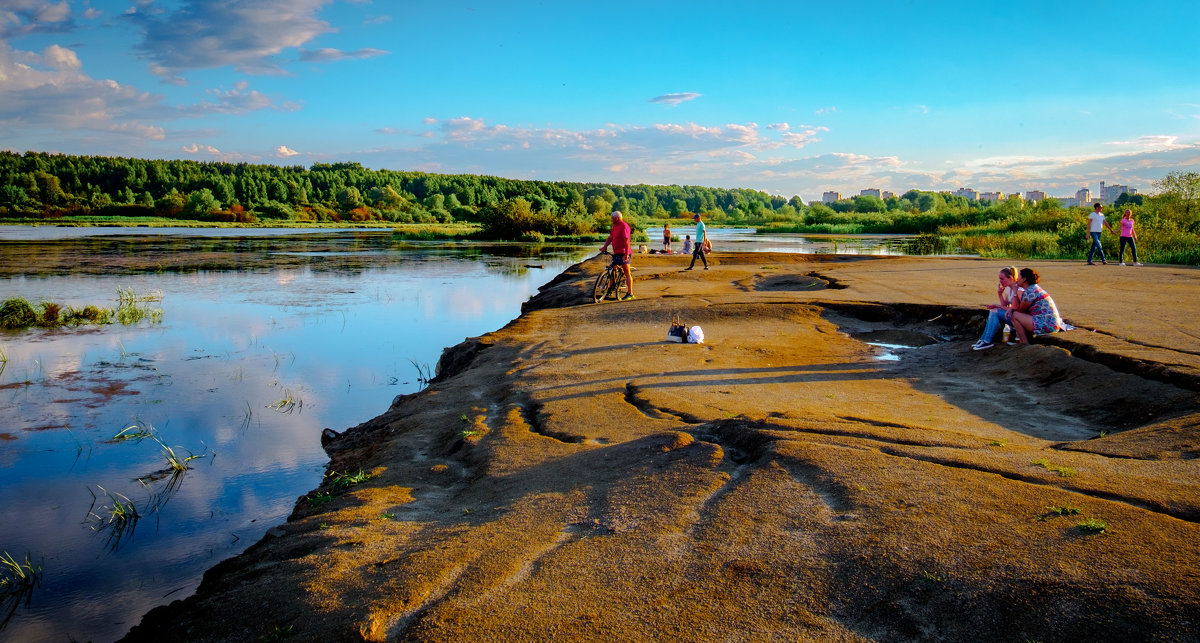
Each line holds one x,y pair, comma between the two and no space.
1096,225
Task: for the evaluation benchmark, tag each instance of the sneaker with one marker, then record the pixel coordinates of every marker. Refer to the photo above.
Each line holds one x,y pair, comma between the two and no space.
1137,263
1104,261
1011,342
982,346
1091,264
687,268
1121,264
706,267
627,297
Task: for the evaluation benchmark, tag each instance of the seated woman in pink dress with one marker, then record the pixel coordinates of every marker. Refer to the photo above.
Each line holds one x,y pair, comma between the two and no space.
1036,313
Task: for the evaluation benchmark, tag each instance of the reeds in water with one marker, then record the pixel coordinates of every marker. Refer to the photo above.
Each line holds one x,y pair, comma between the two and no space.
17,582
117,517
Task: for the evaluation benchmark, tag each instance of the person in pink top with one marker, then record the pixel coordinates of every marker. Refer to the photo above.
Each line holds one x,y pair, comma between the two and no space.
621,249
1128,237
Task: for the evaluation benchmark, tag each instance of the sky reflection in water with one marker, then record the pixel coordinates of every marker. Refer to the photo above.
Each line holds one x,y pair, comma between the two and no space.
341,343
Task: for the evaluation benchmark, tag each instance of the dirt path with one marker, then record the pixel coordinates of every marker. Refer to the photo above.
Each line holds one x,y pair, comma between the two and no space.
574,476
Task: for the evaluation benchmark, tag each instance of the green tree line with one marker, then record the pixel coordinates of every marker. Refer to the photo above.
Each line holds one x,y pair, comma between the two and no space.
42,186
47,186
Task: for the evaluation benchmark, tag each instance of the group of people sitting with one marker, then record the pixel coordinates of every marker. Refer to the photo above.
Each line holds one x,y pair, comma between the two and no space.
1023,308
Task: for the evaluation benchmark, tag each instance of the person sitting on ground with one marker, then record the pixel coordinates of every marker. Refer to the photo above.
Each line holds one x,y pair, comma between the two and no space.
1009,294
687,244
621,250
701,237
1036,313
1128,238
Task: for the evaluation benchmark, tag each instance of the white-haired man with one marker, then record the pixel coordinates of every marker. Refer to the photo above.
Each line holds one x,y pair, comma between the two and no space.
621,249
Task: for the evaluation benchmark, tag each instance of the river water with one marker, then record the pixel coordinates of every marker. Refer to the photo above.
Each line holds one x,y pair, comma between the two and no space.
266,337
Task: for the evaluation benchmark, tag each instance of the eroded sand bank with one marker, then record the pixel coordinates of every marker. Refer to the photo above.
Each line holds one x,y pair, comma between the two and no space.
574,476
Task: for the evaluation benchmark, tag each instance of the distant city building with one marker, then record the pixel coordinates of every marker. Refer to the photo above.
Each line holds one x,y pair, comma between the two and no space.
968,193
887,194
994,197
1083,196
1034,196
870,192
1070,201
1110,193
830,197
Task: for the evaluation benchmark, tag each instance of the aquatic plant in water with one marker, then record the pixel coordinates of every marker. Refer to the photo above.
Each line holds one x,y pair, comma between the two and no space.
17,582
117,517
16,313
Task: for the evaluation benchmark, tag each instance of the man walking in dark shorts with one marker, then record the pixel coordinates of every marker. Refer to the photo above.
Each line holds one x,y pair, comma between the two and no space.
701,239
621,249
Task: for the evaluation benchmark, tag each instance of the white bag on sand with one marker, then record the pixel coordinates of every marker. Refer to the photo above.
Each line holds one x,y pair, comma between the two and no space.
695,335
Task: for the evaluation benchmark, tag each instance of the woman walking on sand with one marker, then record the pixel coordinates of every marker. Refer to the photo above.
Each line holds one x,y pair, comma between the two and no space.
1128,237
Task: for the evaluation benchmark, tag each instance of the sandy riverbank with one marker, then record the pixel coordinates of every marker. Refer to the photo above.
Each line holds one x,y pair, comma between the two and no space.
574,476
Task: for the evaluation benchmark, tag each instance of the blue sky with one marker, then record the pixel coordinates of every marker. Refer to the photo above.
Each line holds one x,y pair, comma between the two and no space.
787,97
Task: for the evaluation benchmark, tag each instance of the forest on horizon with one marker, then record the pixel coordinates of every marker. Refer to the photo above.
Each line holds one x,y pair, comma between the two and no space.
43,187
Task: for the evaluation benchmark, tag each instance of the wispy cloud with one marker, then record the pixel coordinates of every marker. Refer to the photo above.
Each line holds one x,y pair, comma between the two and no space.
333,55
196,148
50,91
675,99
23,17
249,36
770,157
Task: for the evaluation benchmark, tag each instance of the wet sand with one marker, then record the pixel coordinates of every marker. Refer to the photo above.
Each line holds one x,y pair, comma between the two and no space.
574,476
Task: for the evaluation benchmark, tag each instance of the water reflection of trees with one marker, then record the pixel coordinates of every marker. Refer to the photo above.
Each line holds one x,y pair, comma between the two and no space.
347,252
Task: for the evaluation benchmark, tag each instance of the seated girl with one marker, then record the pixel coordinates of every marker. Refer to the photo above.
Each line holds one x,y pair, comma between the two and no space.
1009,295
1036,313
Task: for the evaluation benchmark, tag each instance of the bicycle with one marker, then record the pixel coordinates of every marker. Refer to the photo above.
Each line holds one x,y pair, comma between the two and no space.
610,284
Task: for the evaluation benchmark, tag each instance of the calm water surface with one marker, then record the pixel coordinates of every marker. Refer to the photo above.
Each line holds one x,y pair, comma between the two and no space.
248,365
267,337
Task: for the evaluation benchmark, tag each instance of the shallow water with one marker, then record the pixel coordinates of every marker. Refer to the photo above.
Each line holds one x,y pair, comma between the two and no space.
246,368
268,336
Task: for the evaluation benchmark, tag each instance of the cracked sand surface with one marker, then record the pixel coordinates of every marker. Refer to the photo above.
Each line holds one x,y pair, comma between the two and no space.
574,476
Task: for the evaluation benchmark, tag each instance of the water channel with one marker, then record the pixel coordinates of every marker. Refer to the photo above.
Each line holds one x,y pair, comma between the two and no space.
266,338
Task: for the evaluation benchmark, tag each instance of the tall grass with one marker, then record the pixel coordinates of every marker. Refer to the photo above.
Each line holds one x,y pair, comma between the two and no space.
117,517
16,313
17,582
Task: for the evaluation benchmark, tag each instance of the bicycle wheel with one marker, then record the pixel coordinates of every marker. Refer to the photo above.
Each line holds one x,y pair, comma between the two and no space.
621,288
602,287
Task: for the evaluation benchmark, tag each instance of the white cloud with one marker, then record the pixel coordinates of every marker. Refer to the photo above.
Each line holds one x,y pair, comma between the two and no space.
22,17
214,33
48,96
285,151
61,59
675,99
195,148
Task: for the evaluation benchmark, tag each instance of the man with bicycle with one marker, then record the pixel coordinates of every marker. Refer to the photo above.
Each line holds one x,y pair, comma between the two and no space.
621,249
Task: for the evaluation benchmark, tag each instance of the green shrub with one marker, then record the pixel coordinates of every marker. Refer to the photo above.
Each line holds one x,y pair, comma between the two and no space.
16,313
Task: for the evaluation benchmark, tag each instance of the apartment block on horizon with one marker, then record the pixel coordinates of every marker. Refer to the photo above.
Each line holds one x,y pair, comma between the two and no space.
1110,193
830,197
994,197
1035,196
968,193
870,192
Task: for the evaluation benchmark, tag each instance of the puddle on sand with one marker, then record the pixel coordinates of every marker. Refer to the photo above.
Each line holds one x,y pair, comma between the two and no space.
891,340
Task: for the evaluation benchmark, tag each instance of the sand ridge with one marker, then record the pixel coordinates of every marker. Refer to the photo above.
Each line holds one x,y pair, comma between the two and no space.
574,476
